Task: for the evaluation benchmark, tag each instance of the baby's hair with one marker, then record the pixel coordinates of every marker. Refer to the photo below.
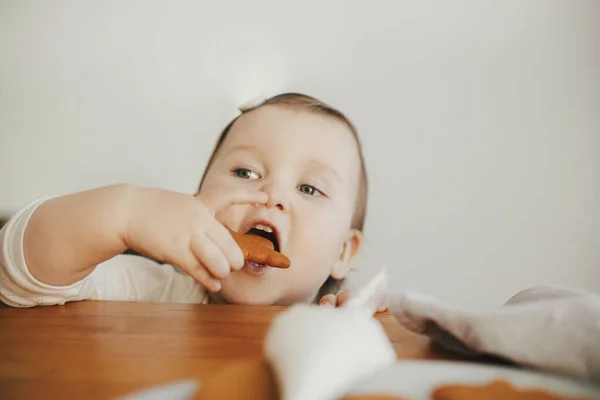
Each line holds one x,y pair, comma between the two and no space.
304,102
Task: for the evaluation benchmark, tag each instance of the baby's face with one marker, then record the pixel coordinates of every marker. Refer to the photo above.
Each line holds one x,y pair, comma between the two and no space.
308,164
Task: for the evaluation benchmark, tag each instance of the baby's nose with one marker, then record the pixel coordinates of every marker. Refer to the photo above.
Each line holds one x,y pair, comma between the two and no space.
277,198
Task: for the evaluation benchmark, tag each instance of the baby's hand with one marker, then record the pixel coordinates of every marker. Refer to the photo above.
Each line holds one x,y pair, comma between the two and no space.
182,230
332,300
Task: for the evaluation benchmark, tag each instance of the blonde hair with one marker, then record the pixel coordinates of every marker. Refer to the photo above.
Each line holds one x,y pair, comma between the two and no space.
312,104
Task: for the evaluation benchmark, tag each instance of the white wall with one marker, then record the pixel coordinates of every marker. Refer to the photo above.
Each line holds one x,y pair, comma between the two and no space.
480,119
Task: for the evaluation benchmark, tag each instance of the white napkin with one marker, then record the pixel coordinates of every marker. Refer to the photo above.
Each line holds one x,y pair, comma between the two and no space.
319,353
548,328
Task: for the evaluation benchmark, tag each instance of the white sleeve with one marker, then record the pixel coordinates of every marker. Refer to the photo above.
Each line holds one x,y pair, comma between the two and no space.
124,277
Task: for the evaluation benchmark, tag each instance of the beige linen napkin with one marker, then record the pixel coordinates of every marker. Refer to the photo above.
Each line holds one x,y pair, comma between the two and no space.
552,329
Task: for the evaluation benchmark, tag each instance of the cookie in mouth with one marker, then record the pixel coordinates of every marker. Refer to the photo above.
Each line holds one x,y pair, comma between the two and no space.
266,232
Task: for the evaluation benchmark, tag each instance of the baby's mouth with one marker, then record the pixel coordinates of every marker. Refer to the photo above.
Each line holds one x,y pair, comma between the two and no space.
256,265
266,232
267,255
256,269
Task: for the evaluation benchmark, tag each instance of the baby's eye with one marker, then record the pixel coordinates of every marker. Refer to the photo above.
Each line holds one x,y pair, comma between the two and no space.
245,173
310,190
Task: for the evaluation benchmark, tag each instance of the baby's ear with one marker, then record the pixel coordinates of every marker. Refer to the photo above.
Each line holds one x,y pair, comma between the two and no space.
349,250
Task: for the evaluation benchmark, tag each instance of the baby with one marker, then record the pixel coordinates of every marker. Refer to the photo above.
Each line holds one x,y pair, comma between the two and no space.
289,169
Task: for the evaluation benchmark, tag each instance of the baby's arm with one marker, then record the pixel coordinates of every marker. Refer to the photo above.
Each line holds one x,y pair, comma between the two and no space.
66,237
120,278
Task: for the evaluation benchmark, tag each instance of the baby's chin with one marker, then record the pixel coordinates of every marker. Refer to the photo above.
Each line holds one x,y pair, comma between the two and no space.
247,296
241,289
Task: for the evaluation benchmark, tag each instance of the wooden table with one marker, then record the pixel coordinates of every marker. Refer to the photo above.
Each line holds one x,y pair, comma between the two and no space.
103,349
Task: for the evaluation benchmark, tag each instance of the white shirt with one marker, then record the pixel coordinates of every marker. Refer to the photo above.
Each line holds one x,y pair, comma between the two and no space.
123,277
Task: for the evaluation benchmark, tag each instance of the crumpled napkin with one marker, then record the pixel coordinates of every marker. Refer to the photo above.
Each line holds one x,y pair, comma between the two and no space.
552,329
318,353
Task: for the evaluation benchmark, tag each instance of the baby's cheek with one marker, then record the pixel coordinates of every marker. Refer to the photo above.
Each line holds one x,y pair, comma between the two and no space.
304,284
313,261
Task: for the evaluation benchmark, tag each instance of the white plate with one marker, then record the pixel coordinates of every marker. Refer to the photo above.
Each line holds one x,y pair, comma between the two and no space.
415,379
181,390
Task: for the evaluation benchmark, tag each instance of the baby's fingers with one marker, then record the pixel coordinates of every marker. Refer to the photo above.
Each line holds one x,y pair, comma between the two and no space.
206,280
329,300
384,306
216,200
190,264
221,236
343,297
210,256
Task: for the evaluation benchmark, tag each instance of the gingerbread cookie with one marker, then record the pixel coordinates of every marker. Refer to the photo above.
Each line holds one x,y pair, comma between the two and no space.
496,390
253,378
371,397
259,250
242,379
